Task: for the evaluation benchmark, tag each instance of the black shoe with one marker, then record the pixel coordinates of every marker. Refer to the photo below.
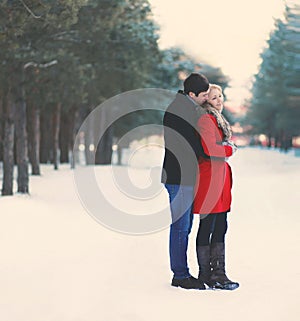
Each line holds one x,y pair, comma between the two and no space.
225,285
188,283
219,280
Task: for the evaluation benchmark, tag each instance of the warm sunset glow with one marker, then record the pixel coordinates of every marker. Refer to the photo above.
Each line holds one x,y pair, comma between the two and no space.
227,34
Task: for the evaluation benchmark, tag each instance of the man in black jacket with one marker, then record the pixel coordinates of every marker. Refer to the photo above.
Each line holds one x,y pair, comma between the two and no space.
180,170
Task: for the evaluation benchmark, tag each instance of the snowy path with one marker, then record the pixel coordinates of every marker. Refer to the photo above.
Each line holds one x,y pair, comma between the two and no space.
58,264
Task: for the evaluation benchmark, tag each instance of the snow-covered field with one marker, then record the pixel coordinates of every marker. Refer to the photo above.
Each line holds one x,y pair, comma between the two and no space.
58,264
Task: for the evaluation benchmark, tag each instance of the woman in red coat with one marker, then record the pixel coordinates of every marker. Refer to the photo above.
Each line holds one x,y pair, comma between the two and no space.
213,192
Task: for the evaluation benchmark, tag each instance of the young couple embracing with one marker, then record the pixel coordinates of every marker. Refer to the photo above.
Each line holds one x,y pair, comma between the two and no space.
198,180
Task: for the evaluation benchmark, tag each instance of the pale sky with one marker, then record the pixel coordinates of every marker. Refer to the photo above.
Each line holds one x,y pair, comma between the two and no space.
229,34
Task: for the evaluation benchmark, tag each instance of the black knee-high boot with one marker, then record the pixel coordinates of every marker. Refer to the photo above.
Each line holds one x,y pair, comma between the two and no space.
203,257
218,275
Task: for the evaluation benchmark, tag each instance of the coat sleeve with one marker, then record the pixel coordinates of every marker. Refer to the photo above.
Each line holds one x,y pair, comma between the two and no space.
211,139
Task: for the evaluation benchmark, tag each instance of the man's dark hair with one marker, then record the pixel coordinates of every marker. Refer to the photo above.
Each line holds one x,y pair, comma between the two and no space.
195,83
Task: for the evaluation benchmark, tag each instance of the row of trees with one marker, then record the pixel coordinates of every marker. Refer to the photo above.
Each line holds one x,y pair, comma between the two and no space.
275,106
61,59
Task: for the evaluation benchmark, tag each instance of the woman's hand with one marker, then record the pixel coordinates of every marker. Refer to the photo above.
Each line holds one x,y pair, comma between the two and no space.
232,145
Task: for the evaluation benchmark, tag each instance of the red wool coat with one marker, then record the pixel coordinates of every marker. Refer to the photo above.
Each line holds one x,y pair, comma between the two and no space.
213,186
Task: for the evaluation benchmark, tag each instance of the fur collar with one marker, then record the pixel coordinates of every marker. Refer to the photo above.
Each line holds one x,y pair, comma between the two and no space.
221,121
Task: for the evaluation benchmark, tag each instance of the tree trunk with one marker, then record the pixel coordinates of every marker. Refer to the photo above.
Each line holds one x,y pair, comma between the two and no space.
119,152
1,125
33,128
72,134
45,145
89,141
56,127
67,136
8,147
287,143
269,141
21,140
64,137
277,143
104,148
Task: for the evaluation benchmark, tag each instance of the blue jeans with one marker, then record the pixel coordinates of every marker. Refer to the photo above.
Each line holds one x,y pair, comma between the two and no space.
181,201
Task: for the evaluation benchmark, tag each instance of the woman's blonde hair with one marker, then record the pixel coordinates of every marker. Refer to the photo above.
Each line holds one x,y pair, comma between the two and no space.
214,86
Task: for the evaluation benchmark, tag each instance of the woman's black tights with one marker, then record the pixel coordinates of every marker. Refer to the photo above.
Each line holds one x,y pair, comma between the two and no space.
212,229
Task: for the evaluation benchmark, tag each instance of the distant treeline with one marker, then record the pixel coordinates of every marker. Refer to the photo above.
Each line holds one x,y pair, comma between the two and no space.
61,59
274,109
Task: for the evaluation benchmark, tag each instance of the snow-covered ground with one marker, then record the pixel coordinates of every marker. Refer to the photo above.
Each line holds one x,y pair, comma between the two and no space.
58,264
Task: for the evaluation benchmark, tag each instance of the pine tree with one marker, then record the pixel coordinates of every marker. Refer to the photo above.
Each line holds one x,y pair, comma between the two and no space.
274,108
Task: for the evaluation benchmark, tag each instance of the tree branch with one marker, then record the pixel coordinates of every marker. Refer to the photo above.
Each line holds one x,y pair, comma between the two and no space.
28,9
34,64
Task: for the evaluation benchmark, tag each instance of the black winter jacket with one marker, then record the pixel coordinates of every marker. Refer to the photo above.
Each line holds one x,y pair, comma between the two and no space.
182,142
